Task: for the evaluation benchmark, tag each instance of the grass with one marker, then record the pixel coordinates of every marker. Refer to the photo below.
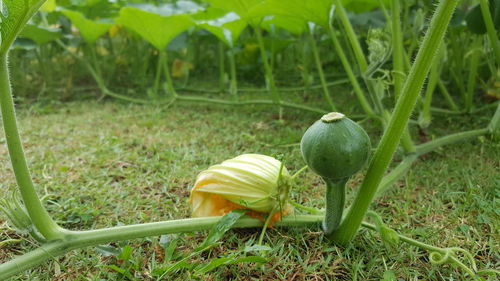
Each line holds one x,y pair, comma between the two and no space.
104,164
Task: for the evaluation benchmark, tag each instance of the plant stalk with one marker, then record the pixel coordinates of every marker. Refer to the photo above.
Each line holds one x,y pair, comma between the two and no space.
398,122
490,29
335,199
319,67
80,239
350,74
233,84
38,214
271,84
351,35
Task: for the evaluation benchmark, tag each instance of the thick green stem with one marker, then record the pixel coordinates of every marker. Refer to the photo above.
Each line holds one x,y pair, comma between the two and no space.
258,90
271,84
472,77
38,214
405,165
168,77
350,74
397,48
398,122
446,95
80,239
98,79
351,35
222,71
335,199
425,114
398,69
432,145
233,86
490,28
319,67
156,85
249,102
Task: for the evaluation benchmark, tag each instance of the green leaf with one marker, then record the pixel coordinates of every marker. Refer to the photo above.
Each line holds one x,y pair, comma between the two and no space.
177,8
49,6
317,11
293,25
40,35
89,29
14,14
475,21
154,28
360,6
241,7
227,28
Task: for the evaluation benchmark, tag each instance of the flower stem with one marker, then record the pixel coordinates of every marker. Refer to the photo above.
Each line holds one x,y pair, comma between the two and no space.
335,199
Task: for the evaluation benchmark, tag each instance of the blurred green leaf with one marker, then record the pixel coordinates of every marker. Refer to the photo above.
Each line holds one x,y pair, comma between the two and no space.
156,29
475,21
317,11
89,29
40,35
360,6
293,25
227,28
240,7
49,6
177,8
14,14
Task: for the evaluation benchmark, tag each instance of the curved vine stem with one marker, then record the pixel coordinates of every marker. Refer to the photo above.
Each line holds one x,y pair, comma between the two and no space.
398,122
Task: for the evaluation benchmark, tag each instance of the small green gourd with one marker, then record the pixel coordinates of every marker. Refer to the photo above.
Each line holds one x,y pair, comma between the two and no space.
335,148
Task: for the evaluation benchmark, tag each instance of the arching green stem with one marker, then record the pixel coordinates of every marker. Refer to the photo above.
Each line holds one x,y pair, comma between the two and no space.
270,82
319,67
350,73
39,216
398,122
490,28
335,198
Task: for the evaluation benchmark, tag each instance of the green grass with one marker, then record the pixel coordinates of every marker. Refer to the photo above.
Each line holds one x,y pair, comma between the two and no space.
104,164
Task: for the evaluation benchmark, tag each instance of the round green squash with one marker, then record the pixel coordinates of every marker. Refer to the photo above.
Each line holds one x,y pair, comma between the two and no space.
335,147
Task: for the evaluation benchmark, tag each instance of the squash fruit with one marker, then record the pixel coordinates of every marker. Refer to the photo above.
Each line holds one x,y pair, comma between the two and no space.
335,148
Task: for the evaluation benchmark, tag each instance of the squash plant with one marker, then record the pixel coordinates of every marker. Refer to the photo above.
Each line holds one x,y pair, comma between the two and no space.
56,240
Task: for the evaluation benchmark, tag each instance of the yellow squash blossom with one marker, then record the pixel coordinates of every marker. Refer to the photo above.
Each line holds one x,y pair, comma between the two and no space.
250,181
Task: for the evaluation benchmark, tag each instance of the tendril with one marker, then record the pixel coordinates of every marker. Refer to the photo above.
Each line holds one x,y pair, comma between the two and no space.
437,256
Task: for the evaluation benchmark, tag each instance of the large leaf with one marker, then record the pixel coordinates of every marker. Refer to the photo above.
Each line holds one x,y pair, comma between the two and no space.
360,6
227,27
317,11
89,29
154,28
292,24
475,21
49,6
40,35
14,14
177,8
240,7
